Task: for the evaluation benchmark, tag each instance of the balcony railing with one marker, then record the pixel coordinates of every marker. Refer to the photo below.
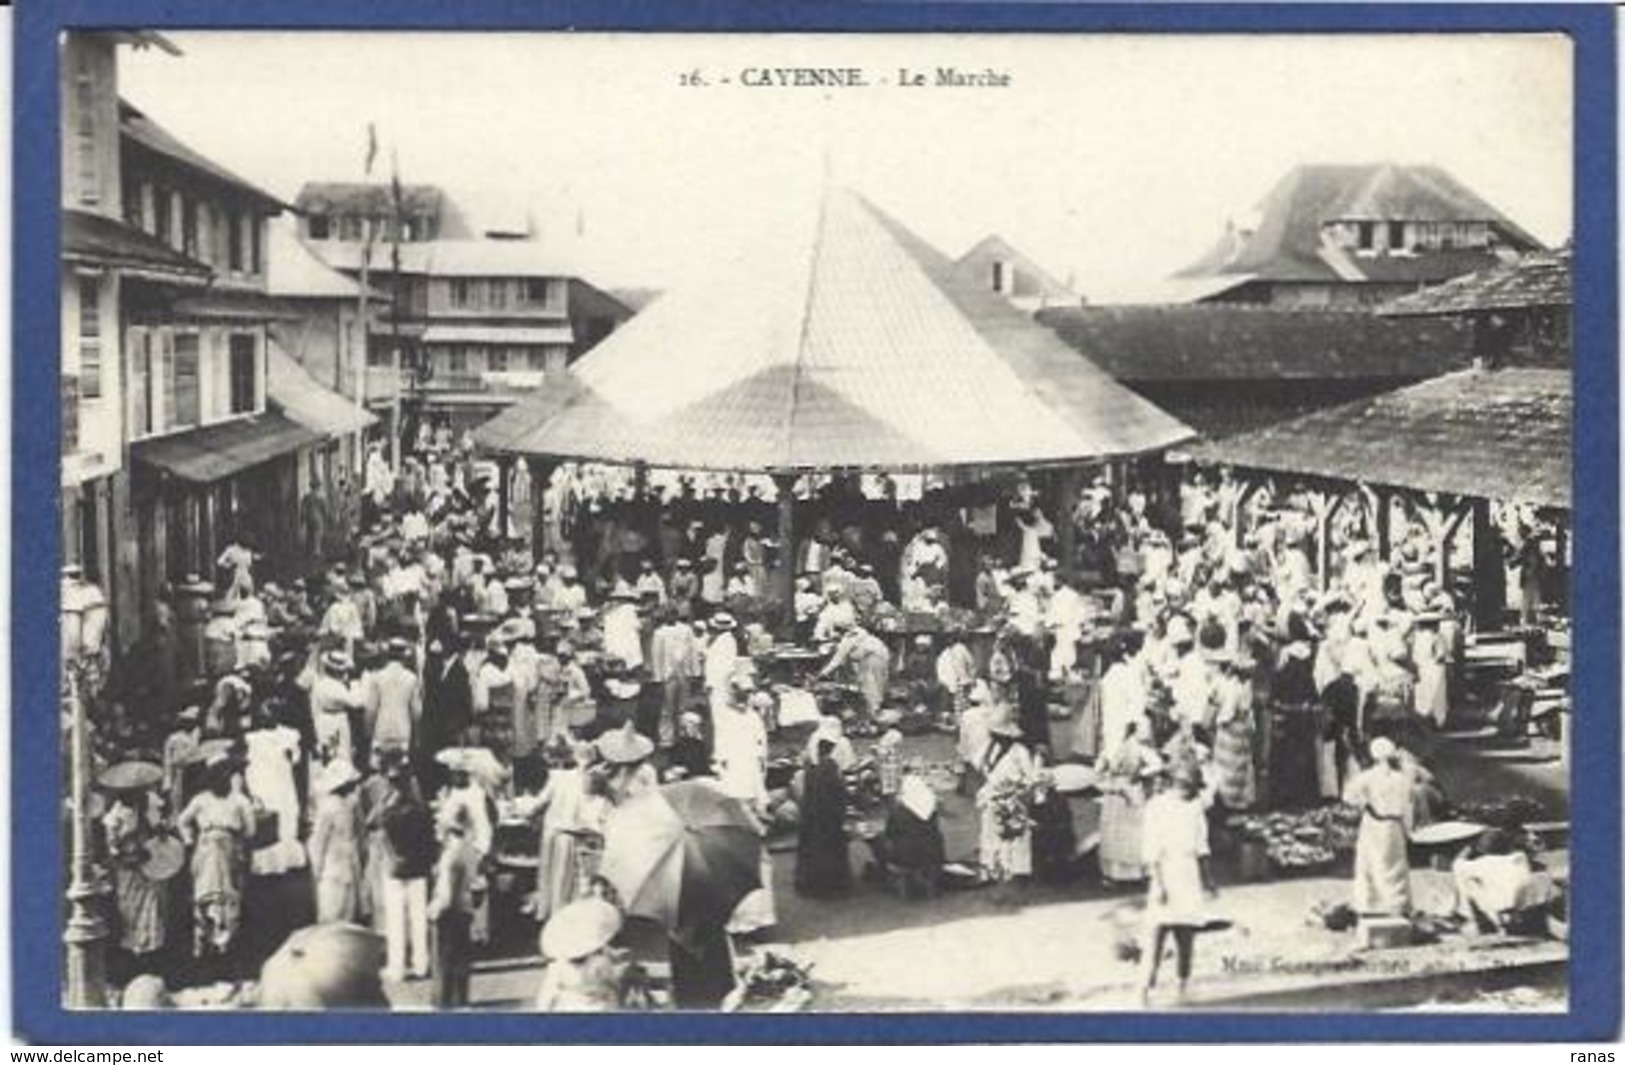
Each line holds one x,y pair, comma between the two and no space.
385,383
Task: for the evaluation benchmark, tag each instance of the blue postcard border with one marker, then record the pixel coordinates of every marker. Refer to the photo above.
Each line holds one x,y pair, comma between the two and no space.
1595,999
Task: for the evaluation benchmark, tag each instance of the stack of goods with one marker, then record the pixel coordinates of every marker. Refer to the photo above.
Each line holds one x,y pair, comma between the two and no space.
1303,841
1510,812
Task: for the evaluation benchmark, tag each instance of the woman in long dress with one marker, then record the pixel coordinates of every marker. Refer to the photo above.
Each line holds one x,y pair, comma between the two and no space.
572,831
1431,656
143,910
1005,849
823,863
740,751
335,846
272,750
1382,871
1237,782
1126,771
870,661
217,824
1175,851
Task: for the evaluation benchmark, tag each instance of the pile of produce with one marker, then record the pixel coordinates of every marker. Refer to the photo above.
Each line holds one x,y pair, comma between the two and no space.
772,983
1512,811
1012,805
1305,839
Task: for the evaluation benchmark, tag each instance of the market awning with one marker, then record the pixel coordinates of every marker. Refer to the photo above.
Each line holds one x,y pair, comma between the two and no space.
1540,279
1503,434
215,452
298,395
499,334
842,341
95,240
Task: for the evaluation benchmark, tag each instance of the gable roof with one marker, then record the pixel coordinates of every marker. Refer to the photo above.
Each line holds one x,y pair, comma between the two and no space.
1500,434
137,128
293,270
841,342
1031,281
1216,342
1537,280
366,197
1285,245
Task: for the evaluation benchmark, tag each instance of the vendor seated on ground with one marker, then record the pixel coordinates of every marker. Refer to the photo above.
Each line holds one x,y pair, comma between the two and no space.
910,848
1499,888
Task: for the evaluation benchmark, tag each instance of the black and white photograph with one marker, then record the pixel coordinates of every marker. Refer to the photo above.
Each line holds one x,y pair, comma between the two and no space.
562,522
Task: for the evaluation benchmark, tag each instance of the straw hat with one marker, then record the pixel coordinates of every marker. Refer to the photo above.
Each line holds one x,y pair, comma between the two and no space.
723,622
584,927
624,746
336,662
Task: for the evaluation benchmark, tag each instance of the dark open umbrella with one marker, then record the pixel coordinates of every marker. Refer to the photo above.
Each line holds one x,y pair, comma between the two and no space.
683,855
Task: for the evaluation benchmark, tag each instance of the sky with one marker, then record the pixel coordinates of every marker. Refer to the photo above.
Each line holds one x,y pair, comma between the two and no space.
1111,160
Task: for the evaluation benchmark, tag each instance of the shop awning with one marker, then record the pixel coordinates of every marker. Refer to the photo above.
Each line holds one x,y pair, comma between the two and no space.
499,334
215,452
232,306
301,398
95,240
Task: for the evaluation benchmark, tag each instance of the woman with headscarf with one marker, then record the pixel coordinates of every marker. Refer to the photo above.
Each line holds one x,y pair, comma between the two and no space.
1431,656
273,749
1005,803
911,845
823,866
869,659
1125,773
584,974
1382,871
142,904
740,751
572,832
1293,747
217,824
1236,778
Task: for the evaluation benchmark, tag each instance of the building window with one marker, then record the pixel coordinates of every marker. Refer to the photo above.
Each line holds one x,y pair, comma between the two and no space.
349,227
1001,277
318,227
90,337
84,90
1396,236
189,242
70,414
185,398
533,290
133,214
244,355
456,360
1365,235
499,293
497,359
462,294
254,252
234,241
160,213
140,347
537,359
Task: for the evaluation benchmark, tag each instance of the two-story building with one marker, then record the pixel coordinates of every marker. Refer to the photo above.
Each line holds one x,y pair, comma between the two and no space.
1336,236
468,324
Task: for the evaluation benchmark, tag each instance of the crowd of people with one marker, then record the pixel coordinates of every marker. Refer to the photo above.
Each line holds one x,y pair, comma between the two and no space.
377,724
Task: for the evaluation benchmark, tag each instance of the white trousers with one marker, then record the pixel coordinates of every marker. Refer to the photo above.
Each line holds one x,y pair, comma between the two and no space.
406,926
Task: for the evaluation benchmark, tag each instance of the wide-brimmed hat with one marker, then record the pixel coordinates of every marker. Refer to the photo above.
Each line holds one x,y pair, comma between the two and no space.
579,929
624,746
338,775
684,564
567,572
723,622
337,661
623,593
398,646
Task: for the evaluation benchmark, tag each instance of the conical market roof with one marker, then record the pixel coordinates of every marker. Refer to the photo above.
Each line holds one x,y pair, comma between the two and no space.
849,344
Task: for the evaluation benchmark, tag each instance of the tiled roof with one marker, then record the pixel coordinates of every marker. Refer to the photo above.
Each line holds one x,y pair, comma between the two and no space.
135,126
94,238
1540,280
1499,434
1285,244
844,342
1213,342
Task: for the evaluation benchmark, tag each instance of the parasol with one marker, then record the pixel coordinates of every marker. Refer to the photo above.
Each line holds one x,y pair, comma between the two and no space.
476,762
684,855
131,776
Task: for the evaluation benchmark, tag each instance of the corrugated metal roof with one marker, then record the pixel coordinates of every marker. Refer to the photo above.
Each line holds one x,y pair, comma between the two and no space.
1213,342
298,395
452,258
499,334
1541,280
96,239
842,341
135,126
215,452
235,306
1499,434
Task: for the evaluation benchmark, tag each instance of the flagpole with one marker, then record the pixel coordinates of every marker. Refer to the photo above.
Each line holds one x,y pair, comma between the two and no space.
395,306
